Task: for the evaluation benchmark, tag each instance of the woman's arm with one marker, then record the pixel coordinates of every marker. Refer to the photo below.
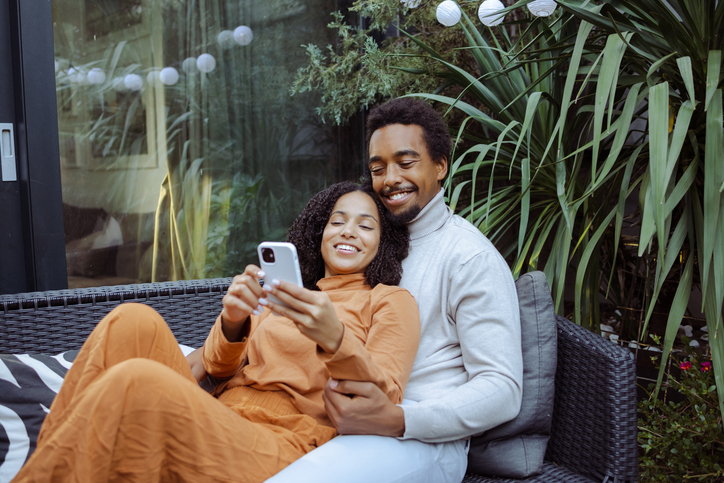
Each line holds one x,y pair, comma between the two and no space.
385,359
225,344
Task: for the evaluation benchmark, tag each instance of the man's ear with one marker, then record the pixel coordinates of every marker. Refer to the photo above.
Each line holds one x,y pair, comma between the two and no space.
441,167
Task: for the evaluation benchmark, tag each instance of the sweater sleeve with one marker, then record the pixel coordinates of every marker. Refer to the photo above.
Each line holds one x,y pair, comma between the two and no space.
387,357
221,357
483,305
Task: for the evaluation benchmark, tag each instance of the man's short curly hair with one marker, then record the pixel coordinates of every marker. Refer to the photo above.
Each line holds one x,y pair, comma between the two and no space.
407,111
306,234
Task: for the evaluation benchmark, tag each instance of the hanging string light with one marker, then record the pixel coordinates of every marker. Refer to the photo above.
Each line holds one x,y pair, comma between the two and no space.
189,65
168,76
448,13
206,63
542,8
96,76
225,39
487,10
152,77
243,35
133,82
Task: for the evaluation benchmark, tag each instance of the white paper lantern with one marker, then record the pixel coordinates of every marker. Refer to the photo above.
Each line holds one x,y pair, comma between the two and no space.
96,76
448,13
72,75
152,76
542,8
411,3
168,76
243,35
225,39
206,63
133,82
189,65
489,7
118,84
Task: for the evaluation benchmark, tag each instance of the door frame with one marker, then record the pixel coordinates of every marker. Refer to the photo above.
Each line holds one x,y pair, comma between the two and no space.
38,186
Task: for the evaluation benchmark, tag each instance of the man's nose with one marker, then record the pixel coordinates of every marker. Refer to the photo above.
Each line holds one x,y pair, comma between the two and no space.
392,176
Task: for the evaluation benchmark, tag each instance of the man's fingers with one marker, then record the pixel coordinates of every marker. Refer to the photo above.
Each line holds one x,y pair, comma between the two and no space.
354,388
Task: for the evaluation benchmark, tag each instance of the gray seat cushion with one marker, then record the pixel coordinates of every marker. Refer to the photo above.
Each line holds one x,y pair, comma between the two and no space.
516,449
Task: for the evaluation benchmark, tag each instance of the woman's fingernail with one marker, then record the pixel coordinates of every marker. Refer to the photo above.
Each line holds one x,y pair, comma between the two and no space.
260,274
268,288
260,308
333,384
263,302
275,282
255,312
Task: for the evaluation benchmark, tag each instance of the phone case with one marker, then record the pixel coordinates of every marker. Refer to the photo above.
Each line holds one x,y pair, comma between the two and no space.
285,264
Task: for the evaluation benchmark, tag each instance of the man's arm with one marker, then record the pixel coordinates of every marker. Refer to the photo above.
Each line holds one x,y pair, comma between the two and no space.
369,411
484,307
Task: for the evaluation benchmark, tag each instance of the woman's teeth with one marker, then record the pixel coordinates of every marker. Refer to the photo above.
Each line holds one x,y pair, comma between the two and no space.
347,248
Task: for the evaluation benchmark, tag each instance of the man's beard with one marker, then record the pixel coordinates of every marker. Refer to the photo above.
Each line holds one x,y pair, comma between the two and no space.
406,216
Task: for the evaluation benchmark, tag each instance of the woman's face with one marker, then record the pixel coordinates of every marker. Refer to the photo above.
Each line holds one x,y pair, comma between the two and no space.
352,235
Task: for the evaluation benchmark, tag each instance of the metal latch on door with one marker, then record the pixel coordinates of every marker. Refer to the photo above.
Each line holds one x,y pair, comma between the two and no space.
7,152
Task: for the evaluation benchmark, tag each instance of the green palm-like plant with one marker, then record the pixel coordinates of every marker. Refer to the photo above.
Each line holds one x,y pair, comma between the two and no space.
674,48
563,125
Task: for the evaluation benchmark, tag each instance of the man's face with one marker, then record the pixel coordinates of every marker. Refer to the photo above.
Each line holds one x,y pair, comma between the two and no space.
404,175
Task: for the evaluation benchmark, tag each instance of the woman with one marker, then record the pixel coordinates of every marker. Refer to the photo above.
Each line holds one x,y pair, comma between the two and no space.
131,409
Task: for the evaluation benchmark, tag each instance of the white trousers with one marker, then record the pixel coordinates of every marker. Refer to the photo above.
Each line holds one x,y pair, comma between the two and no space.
379,459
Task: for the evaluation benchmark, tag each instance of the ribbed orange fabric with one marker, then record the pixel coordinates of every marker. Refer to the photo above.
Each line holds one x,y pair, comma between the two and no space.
130,410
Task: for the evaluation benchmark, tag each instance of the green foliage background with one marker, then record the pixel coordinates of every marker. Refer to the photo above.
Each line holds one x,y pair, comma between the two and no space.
598,125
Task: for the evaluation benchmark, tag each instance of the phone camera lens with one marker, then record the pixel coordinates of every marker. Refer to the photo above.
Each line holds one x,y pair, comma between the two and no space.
267,254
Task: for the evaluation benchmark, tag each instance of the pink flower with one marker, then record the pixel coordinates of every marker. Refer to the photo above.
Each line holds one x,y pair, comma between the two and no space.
705,366
685,365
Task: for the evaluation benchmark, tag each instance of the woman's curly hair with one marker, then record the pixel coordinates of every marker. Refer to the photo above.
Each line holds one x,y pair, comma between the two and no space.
306,234
409,111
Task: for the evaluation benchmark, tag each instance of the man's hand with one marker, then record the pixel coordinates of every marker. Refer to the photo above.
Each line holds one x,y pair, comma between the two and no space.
362,408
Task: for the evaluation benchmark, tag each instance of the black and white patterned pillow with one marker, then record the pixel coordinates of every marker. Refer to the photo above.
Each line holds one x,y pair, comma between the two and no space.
28,384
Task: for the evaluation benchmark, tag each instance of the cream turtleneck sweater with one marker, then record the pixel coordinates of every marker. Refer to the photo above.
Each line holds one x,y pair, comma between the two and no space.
467,376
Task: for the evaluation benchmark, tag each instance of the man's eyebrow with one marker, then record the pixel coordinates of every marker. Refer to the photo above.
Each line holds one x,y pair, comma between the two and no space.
344,213
398,154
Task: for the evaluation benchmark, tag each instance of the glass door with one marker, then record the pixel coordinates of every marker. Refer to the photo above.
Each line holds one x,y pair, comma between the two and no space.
180,146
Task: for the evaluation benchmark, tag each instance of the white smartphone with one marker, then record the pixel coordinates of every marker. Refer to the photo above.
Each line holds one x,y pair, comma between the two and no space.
279,261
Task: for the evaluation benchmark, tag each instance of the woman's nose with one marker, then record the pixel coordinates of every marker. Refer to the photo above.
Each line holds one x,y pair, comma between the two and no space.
348,231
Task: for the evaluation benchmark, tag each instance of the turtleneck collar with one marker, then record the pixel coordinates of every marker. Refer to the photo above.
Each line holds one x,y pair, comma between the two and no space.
432,217
353,281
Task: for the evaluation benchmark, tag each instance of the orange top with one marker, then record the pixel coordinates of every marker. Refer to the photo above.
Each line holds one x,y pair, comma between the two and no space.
382,332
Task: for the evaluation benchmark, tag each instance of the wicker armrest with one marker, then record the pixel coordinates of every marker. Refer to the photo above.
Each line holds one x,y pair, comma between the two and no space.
594,419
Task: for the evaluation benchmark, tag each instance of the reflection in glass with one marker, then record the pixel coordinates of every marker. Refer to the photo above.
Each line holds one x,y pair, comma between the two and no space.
181,148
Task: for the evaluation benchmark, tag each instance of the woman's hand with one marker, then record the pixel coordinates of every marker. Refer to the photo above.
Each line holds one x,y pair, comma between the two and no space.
312,312
240,301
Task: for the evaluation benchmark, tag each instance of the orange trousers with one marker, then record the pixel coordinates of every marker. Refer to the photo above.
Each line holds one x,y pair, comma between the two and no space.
130,410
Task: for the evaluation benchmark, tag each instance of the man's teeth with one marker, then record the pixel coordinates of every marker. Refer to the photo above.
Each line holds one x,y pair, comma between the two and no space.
397,196
348,248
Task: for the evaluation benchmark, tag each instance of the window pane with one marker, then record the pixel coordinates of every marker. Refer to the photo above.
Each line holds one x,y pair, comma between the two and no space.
181,148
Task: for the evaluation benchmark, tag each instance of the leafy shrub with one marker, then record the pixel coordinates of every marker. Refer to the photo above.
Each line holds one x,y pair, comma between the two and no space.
680,433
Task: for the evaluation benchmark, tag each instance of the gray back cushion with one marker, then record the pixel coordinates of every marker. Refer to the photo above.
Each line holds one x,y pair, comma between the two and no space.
516,449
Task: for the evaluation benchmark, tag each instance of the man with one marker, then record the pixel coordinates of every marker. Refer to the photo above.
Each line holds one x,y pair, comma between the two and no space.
467,376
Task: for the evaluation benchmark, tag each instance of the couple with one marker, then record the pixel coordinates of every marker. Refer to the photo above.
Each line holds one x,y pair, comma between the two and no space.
465,379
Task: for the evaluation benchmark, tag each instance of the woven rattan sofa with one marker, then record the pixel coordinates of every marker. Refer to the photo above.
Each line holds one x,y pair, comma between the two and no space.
594,419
